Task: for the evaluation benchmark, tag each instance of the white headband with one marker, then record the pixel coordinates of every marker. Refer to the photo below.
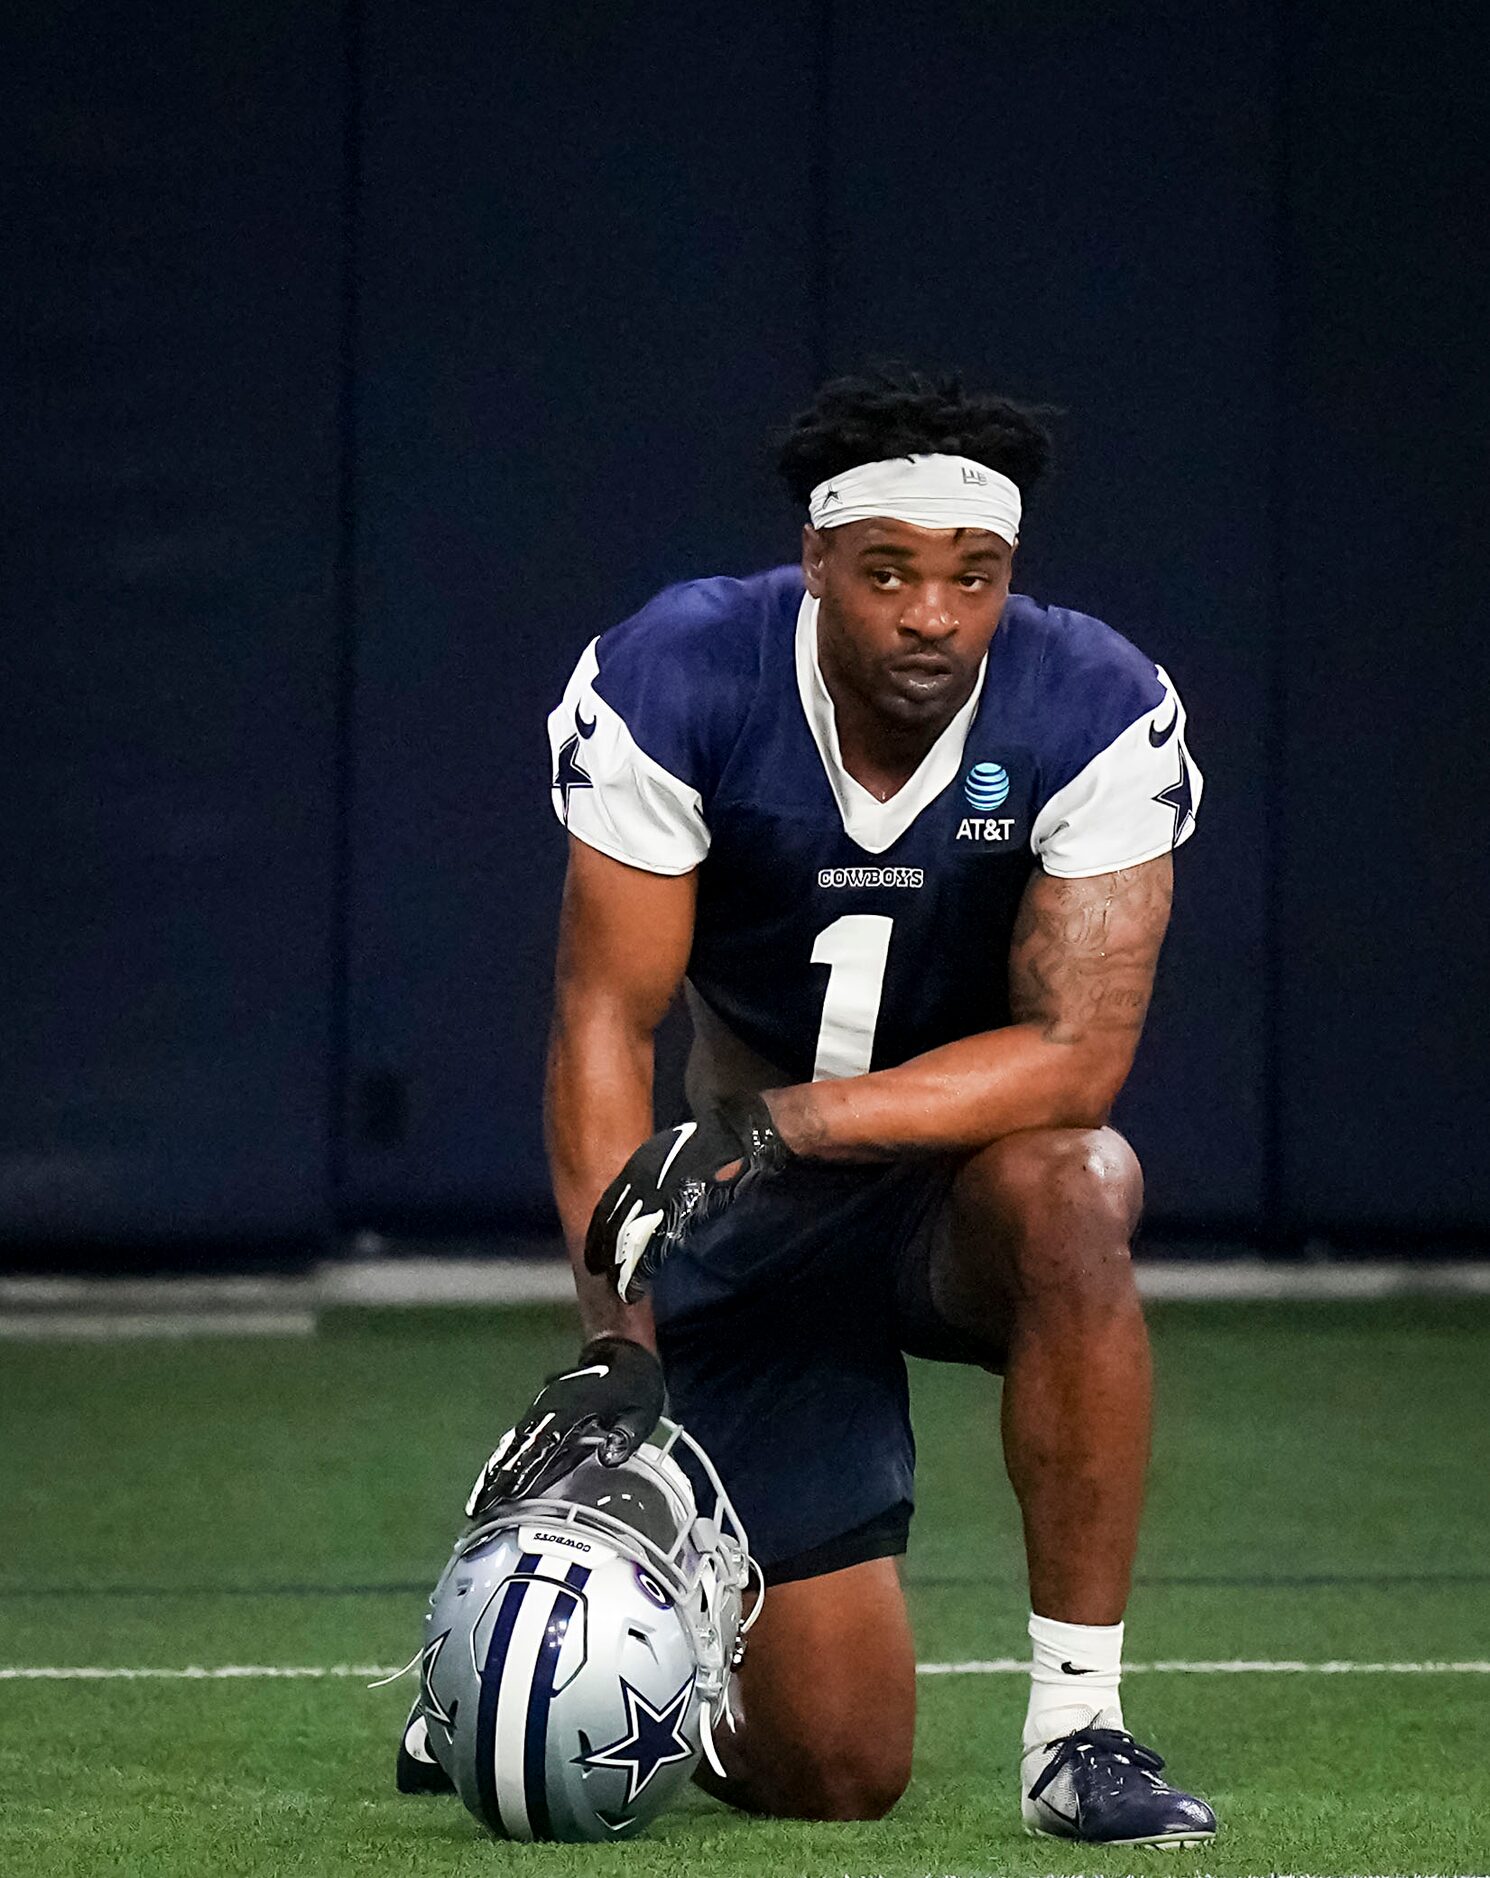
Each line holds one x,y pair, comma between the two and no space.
927,491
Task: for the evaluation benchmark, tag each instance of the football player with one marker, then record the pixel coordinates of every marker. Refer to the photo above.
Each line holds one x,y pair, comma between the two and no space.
904,839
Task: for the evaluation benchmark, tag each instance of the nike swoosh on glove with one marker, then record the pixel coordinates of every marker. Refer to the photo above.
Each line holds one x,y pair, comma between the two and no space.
674,1181
608,1403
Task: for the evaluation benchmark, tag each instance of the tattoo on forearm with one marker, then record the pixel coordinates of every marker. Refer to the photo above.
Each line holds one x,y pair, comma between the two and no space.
1084,951
798,1114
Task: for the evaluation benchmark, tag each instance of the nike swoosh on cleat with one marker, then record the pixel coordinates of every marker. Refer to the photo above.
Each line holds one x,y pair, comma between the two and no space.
1070,1669
1158,738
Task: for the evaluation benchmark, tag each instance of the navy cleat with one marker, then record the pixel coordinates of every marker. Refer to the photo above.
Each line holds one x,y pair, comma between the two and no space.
418,1771
1100,1786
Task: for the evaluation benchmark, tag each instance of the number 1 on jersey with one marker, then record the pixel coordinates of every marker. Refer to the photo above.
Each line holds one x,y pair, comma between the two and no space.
855,949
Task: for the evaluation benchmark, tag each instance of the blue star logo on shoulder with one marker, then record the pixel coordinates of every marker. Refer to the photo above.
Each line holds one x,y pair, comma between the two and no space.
569,775
1180,797
652,1739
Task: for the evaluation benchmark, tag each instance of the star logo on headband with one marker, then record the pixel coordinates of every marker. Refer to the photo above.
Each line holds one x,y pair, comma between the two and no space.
831,496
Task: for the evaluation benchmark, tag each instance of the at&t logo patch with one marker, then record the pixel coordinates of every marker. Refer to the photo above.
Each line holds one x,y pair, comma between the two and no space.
986,786
985,828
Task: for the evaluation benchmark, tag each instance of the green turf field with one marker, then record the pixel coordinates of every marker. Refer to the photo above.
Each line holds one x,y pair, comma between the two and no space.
1321,1491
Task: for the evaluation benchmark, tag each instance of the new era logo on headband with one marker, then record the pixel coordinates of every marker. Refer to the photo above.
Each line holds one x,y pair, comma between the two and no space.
933,490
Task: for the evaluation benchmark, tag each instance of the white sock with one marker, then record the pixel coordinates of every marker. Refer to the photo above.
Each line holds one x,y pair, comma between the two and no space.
1074,1678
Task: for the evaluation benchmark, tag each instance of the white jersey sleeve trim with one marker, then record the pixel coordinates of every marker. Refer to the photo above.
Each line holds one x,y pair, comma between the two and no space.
610,793
1113,813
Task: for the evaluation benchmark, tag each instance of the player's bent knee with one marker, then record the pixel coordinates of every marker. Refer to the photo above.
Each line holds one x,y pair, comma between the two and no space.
850,1785
1055,1212
1057,1177
824,1784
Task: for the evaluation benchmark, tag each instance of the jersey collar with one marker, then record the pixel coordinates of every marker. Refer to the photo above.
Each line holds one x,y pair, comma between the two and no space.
869,823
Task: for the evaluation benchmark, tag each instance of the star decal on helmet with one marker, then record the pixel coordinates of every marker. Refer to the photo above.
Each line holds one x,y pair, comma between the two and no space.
653,1739
434,1709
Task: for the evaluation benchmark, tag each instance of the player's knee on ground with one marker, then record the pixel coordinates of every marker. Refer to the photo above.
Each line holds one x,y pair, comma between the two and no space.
840,1781
1061,1206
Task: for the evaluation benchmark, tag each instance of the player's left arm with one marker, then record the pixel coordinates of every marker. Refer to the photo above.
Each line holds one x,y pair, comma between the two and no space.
1081,972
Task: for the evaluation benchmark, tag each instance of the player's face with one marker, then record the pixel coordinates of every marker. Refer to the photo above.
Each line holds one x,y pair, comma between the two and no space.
906,613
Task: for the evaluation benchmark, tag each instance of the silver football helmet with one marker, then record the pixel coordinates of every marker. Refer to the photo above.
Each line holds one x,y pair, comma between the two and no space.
579,1645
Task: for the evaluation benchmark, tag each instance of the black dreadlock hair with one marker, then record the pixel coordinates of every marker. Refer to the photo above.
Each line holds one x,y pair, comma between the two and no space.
893,410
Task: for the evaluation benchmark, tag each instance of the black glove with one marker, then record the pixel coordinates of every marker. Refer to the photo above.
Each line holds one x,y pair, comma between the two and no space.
674,1181
609,1402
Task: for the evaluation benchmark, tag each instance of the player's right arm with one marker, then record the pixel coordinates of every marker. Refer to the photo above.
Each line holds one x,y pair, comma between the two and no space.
624,940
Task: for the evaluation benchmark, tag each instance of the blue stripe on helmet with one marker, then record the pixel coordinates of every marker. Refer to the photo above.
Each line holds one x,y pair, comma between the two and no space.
540,1699
491,1683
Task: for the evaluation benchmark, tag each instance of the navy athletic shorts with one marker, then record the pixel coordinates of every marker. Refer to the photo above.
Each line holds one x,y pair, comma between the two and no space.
783,1327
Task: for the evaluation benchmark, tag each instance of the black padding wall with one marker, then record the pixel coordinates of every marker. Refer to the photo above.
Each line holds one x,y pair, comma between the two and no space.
1384,982
373,359
1084,215
585,301
172,258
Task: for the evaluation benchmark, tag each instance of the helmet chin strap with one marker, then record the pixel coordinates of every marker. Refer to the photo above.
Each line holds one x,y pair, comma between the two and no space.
706,1734
726,1703
398,1674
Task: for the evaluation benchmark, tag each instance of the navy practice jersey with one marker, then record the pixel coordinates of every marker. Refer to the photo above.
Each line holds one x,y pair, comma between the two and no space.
835,933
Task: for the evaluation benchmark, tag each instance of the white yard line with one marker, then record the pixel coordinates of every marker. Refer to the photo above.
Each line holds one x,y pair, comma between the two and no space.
534,1281
406,1281
118,1326
218,1291
101,1309
997,1666
1339,1281
223,1672
1241,1666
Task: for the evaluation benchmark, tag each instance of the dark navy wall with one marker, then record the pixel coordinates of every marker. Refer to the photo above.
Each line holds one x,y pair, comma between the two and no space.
585,301
375,360
170,253
1099,236
1384,982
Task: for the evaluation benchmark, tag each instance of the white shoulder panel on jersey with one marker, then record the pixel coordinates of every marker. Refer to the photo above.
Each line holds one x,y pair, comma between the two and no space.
610,793
1134,801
